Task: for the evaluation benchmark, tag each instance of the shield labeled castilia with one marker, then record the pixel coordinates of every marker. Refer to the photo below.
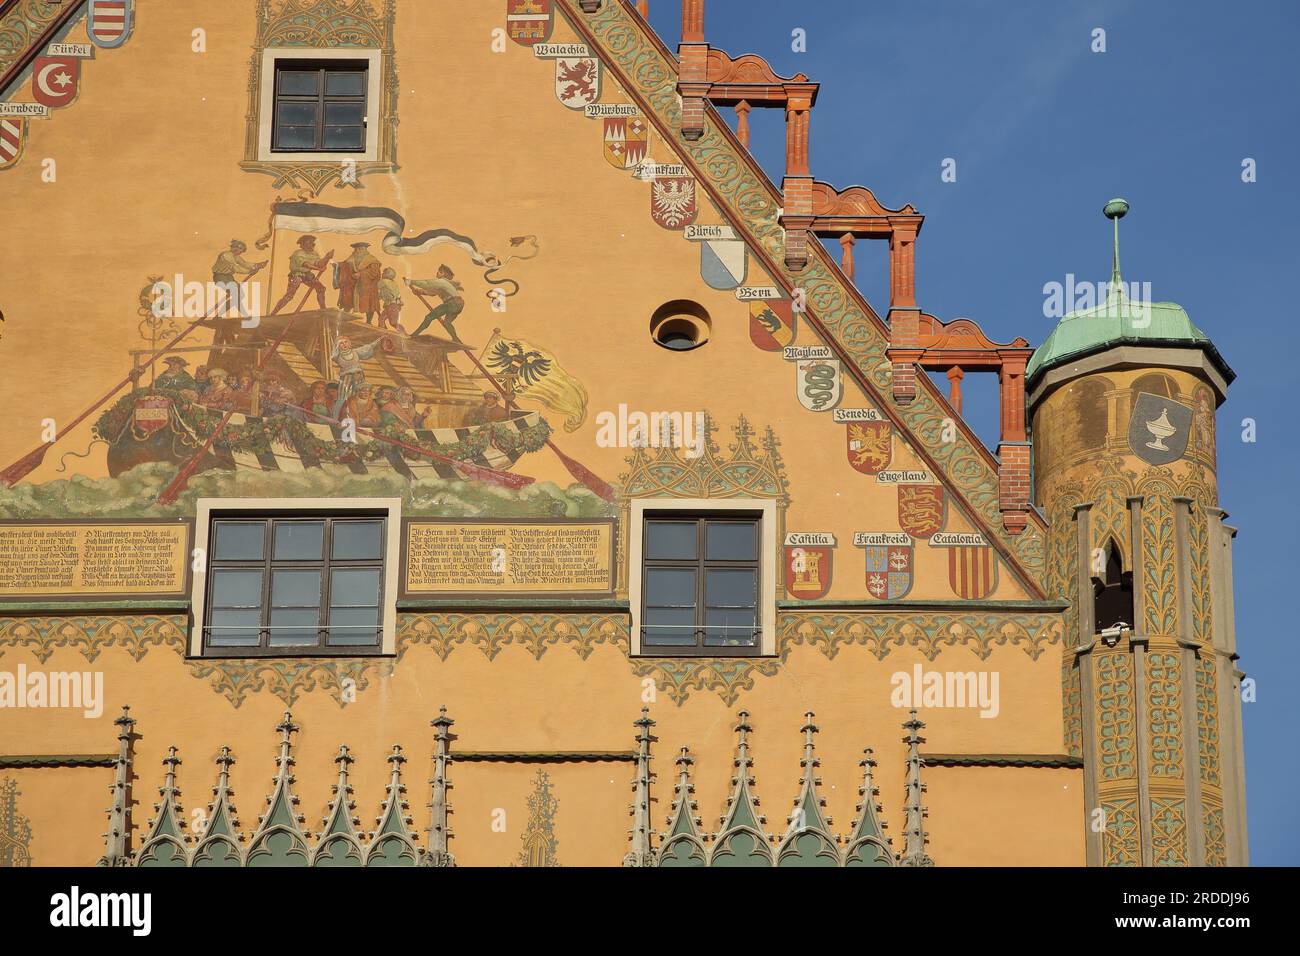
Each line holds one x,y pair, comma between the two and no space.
529,21
808,561
972,565
1159,428
771,323
889,563
869,437
921,508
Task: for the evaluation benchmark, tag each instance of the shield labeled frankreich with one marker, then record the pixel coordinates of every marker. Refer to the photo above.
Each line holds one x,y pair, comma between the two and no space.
889,563
820,384
808,566
921,509
672,201
972,571
13,134
577,81
871,445
529,21
1159,428
771,323
627,140
109,22
55,80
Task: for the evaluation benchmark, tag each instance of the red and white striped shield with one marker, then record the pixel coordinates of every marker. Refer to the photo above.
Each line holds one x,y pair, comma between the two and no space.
109,24
13,131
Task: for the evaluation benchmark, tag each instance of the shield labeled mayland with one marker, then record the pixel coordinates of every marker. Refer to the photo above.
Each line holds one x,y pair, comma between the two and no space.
771,323
889,570
627,139
13,133
870,445
55,80
577,81
921,509
109,22
529,21
808,571
1159,428
820,384
672,201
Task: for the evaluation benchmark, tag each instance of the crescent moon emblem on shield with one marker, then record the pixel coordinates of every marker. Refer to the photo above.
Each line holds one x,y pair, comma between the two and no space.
43,81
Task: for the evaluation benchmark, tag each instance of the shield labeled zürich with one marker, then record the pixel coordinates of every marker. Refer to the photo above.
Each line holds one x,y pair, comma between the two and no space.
1159,428
577,81
55,80
921,509
13,132
109,22
889,562
808,557
529,21
771,323
972,565
627,138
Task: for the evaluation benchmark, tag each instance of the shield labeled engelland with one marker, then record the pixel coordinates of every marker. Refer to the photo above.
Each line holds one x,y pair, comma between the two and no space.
1159,428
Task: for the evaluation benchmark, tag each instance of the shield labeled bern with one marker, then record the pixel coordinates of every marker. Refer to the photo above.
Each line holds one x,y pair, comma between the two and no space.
1158,428
771,323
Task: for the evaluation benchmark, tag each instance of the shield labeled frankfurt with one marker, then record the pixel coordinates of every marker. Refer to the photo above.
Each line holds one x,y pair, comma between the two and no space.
972,565
808,558
13,134
771,323
151,413
110,22
577,81
921,509
529,21
889,562
870,445
55,80
627,139
820,384
672,201
1159,428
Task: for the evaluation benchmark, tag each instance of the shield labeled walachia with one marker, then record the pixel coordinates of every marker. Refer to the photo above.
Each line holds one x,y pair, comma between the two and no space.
577,81
1159,428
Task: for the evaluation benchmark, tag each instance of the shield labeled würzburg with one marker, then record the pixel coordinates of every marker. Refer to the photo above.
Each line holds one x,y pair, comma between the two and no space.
627,138
820,384
672,201
771,323
921,509
889,560
151,413
808,560
55,80
577,81
972,571
13,133
871,445
109,23
1159,428
529,21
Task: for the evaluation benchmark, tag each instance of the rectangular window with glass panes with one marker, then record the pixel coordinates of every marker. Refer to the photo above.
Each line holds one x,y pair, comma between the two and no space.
320,106
295,584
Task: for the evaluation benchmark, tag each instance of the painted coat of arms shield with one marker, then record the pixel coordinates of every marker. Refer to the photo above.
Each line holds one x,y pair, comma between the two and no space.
577,81
672,201
723,263
627,140
1159,428
870,446
921,509
972,571
771,323
808,571
110,21
55,80
889,571
820,384
529,21
13,132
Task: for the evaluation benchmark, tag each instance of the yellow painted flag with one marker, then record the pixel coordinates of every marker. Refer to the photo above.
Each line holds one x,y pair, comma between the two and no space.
536,375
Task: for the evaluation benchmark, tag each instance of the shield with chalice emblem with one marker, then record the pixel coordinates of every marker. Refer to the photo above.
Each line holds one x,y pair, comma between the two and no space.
1159,428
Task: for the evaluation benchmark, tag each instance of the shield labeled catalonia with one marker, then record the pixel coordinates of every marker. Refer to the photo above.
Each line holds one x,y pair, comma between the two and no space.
972,565
771,323
529,21
921,509
110,21
627,139
13,133
577,81
1159,428
889,561
808,558
871,445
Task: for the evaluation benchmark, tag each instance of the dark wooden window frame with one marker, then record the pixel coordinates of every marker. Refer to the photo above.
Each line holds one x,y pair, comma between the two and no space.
701,565
322,100
268,563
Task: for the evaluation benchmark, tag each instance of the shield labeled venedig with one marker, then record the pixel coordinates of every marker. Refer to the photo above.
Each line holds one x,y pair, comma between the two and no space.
870,445
1159,428
771,323
921,509
808,562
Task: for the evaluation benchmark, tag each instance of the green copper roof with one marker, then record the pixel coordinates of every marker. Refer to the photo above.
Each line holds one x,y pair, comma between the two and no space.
1120,320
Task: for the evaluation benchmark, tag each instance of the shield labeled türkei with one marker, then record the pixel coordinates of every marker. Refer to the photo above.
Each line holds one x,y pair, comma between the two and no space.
109,22
1159,428
921,509
672,201
13,134
529,21
871,445
820,384
151,413
55,80
577,81
972,571
889,571
808,565
627,139
771,323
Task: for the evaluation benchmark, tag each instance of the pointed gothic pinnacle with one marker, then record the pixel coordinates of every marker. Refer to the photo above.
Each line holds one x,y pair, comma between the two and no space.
171,762
683,799
809,762
869,791
223,792
284,768
343,789
395,792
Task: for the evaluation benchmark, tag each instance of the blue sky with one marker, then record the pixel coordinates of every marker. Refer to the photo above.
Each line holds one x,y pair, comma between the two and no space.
1044,131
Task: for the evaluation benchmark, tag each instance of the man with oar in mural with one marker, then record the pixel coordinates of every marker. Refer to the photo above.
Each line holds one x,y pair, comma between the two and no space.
305,267
449,291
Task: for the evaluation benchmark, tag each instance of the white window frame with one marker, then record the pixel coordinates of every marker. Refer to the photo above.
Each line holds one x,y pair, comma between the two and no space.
266,113
768,557
280,507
